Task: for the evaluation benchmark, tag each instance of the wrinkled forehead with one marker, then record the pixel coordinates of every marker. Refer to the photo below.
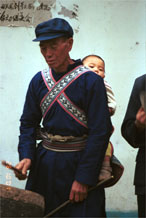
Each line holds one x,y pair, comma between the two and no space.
52,41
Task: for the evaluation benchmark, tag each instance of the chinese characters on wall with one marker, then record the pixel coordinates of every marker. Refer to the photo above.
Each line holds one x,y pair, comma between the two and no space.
24,13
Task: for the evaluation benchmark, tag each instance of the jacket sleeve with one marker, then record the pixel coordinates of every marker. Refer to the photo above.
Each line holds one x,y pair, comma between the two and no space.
111,97
99,130
29,121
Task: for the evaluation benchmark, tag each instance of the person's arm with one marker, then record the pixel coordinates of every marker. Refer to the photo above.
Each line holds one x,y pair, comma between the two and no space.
30,120
111,98
133,127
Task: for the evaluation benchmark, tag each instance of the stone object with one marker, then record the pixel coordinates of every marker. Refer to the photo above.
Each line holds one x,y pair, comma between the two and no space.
15,202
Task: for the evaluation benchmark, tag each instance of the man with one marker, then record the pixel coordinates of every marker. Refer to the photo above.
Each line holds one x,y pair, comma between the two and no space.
133,130
71,103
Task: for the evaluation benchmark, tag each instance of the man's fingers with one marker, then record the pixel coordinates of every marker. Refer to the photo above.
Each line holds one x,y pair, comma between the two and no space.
25,168
19,165
78,196
71,196
83,195
20,176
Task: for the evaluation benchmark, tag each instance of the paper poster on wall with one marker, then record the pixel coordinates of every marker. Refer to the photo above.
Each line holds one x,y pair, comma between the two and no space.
25,13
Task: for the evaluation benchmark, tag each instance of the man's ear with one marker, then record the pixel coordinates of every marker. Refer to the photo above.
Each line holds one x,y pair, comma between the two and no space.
70,43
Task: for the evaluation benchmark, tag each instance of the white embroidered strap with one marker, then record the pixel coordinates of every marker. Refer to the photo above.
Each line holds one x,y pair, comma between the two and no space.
72,110
56,93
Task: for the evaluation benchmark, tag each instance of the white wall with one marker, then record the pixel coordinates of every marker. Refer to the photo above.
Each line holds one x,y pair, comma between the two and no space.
113,29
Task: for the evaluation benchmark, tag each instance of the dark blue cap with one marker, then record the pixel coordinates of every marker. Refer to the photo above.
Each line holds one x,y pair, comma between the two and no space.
53,28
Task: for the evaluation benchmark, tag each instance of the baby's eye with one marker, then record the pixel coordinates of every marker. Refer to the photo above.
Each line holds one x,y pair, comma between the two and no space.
101,69
91,66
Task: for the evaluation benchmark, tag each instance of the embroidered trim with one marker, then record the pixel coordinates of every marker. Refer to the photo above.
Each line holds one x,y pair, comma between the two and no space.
56,92
75,112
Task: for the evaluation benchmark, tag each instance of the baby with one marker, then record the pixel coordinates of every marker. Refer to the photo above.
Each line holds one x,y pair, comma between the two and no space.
97,65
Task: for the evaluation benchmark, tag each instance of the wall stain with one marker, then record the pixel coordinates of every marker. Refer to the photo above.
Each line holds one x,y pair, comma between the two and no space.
137,43
73,14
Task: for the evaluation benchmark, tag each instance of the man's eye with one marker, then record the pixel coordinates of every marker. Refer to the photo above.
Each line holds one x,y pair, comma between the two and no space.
43,48
54,46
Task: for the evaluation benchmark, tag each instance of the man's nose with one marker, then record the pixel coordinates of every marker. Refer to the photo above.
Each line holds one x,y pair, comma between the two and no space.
48,52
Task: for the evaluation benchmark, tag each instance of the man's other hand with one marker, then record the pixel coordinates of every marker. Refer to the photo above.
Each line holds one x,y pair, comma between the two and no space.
78,192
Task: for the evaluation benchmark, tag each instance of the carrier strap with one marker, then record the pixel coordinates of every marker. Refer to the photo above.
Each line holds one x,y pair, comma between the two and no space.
56,93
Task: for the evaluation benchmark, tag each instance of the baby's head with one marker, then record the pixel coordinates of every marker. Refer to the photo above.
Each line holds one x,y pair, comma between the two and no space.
95,63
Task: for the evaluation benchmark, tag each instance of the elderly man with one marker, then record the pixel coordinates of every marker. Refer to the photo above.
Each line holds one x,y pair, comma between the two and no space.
71,103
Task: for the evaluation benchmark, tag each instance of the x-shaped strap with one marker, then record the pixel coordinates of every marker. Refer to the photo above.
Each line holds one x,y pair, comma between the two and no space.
56,93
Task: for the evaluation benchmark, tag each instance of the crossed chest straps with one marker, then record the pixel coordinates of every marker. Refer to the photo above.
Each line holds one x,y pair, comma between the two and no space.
56,93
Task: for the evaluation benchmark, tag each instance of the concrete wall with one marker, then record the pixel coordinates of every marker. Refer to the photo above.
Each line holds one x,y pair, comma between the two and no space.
113,29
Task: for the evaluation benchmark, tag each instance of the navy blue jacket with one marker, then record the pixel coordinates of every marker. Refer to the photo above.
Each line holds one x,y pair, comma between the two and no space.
88,93
133,136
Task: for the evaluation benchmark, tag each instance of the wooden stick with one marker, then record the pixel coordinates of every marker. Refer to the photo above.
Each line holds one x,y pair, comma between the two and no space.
68,201
9,166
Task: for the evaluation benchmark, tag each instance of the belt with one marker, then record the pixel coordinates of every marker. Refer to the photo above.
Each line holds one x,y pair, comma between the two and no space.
66,146
62,143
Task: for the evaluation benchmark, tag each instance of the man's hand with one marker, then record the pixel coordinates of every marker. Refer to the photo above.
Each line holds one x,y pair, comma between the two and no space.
140,119
23,166
78,192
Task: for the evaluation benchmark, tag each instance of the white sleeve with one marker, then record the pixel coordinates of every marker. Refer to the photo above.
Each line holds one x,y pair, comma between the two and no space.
111,98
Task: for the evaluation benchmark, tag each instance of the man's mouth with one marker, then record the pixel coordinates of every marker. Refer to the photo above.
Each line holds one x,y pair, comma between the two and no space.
50,61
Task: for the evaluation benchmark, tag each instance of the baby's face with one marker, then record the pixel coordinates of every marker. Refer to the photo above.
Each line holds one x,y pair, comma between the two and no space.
96,65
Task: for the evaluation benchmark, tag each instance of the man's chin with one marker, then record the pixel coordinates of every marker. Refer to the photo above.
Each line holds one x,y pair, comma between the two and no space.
51,65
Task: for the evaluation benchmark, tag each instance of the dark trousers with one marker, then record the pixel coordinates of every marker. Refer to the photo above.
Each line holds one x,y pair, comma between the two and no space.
141,205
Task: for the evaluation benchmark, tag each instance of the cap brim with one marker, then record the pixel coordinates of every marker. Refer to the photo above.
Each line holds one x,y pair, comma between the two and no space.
44,38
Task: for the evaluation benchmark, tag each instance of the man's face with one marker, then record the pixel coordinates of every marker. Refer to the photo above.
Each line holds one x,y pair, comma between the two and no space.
56,52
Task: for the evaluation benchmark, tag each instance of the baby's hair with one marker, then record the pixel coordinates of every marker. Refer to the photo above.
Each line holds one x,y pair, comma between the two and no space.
92,55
